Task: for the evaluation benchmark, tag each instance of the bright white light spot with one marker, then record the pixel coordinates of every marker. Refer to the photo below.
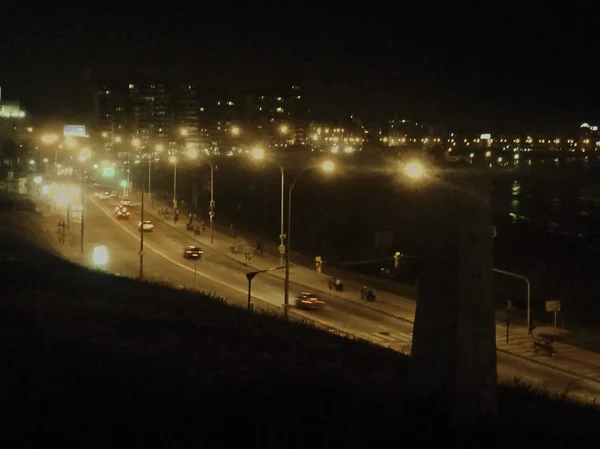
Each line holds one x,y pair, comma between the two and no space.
414,170
328,166
100,255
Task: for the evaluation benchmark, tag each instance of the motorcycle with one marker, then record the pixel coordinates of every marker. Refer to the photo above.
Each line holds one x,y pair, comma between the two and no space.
366,294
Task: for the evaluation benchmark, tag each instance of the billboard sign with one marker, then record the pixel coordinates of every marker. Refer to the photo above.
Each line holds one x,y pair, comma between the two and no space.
74,131
487,136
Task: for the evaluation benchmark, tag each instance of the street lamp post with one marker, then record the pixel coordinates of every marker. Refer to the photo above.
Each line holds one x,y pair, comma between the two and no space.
149,179
142,236
128,172
82,185
259,154
523,278
281,234
173,160
327,166
212,202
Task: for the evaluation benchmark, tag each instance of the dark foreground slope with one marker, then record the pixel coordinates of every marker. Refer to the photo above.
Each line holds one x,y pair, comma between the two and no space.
90,360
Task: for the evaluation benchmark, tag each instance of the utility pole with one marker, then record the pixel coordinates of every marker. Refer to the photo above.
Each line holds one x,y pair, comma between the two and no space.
82,185
142,236
150,179
128,172
212,202
282,236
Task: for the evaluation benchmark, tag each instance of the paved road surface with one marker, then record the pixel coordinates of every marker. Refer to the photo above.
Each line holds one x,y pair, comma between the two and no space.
163,261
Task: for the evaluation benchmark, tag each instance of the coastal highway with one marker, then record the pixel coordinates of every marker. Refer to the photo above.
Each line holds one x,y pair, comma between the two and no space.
217,273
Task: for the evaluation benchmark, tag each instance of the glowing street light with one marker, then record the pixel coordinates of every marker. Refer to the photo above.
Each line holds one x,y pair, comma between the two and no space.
31,162
235,131
328,166
516,157
159,147
105,134
258,154
414,170
488,154
49,138
183,131
136,142
283,129
124,184
100,256
37,179
86,153
118,139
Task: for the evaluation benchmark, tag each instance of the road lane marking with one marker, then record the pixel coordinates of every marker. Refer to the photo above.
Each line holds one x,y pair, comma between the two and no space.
160,253
506,353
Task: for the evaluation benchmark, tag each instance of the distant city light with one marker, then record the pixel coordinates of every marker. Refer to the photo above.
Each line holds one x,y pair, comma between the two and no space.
118,139
49,138
414,170
136,142
192,153
258,154
37,179
328,166
283,129
31,162
488,154
159,147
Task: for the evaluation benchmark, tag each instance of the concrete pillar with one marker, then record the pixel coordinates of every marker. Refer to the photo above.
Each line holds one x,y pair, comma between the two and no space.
454,346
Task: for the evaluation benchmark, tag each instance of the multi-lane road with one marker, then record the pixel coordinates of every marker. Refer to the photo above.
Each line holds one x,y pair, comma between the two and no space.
164,262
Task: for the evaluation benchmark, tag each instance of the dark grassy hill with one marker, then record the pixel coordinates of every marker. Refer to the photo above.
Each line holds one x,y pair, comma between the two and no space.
91,360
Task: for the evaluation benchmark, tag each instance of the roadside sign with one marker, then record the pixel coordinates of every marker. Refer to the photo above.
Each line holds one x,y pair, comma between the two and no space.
553,305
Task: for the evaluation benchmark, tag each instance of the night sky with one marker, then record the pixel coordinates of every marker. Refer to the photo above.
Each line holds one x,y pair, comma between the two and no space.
475,67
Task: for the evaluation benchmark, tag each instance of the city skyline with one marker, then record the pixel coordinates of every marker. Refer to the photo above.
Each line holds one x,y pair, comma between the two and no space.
475,67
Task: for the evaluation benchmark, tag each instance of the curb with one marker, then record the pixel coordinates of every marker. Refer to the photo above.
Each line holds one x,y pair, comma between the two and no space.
320,323
547,365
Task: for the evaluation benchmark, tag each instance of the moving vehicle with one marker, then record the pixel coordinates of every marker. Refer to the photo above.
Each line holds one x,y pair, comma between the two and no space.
148,226
366,294
125,202
336,284
102,195
192,252
122,212
309,301
114,194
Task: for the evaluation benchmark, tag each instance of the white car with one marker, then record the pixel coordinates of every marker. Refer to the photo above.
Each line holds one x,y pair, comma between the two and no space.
148,227
125,202
102,195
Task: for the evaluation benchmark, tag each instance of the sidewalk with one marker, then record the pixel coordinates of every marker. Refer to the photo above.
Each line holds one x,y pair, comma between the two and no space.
569,358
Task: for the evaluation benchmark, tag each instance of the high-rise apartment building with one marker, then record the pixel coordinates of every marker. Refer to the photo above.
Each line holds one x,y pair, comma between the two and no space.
150,115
